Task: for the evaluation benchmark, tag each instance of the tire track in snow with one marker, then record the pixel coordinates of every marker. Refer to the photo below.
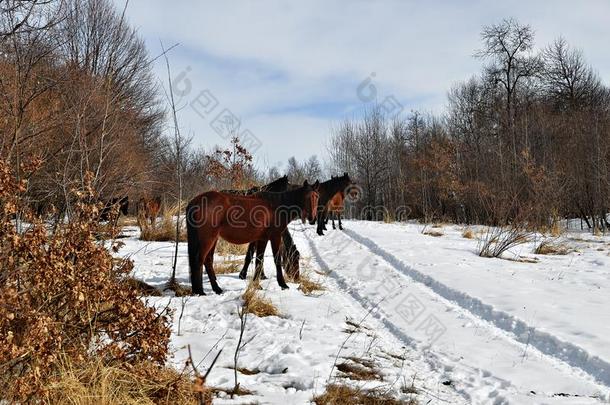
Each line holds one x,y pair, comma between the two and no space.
477,377
571,354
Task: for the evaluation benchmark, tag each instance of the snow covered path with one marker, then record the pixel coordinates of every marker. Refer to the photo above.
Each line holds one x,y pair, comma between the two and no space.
460,328
291,357
488,353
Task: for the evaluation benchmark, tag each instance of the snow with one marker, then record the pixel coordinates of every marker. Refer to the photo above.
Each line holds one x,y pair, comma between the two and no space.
461,328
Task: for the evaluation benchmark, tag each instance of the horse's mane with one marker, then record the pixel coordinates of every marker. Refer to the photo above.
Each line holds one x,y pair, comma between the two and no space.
331,187
287,198
277,185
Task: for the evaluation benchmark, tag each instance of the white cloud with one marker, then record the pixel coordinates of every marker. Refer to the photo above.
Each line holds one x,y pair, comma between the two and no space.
266,59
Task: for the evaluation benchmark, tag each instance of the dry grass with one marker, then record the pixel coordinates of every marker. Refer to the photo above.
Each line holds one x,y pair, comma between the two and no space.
164,229
257,304
498,240
227,266
143,288
308,283
227,249
551,247
434,233
521,259
127,221
246,371
358,369
178,289
556,229
94,383
339,394
468,233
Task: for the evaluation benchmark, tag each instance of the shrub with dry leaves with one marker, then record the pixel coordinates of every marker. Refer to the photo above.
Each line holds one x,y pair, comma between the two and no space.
63,296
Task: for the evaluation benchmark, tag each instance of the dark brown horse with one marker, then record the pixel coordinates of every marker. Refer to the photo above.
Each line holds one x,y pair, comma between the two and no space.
107,211
240,219
290,253
148,208
328,189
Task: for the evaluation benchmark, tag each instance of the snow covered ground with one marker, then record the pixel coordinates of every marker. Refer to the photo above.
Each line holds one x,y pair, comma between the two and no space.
426,311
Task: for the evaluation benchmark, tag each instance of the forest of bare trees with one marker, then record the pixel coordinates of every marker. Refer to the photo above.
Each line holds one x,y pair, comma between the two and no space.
78,94
524,140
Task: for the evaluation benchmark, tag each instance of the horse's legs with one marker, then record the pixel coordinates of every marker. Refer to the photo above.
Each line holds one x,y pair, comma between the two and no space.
340,224
320,220
244,271
276,245
291,256
259,272
332,217
209,261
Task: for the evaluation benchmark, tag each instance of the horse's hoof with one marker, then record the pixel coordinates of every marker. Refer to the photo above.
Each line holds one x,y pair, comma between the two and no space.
263,277
242,276
284,287
320,233
340,228
198,293
218,290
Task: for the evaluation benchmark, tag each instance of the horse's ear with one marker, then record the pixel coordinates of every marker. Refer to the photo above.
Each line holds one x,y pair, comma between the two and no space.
316,185
305,183
345,174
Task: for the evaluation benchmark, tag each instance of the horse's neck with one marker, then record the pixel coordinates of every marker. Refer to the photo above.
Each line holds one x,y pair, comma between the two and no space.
289,200
332,188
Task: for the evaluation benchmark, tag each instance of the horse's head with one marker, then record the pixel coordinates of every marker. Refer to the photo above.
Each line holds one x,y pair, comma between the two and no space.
310,201
124,205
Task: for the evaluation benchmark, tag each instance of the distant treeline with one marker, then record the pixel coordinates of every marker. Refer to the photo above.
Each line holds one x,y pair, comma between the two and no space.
527,139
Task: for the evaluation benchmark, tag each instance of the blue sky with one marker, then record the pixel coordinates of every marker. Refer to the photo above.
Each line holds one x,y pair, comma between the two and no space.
291,70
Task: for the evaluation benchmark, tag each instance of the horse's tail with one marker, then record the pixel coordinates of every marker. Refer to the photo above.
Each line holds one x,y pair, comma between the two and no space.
194,250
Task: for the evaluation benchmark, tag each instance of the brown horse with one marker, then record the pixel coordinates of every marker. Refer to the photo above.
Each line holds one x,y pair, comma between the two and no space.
113,208
335,208
148,208
328,189
240,219
290,253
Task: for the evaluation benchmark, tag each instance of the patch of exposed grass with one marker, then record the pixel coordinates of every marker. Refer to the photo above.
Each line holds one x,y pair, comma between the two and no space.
247,371
96,383
551,247
521,259
358,372
434,233
307,283
164,230
257,304
234,392
468,233
228,266
178,289
358,369
127,221
144,288
339,394
227,249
